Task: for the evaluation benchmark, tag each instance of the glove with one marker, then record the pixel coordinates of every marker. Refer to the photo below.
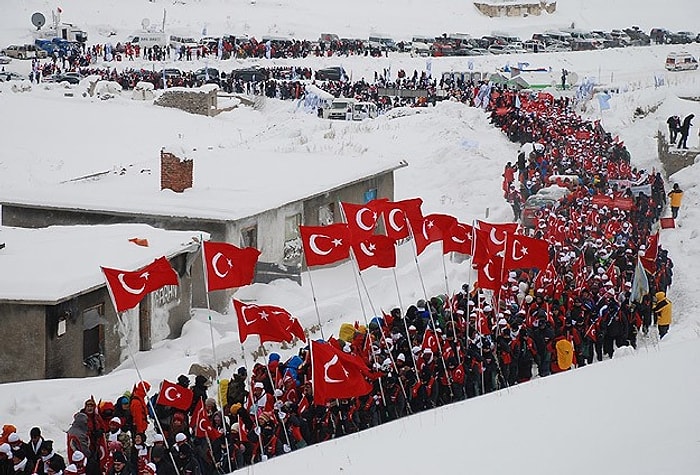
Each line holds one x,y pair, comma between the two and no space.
286,449
263,458
257,430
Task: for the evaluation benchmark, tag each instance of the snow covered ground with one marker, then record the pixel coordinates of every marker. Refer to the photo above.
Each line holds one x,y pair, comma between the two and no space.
634,414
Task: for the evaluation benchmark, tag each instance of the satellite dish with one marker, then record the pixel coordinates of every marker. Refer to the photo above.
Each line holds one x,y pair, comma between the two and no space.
38,20
145,23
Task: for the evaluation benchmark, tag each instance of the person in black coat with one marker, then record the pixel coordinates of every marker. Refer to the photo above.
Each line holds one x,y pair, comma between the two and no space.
6,467
21,462
685,131
201,383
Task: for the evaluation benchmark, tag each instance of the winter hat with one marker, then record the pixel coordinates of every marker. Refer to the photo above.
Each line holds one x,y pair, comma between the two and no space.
151,468
70,469
259,385
235,427
116,420
56,464
78,456
13,438
183,381
401,357
242,371
119,457
35,432
46,445
6,449
158,438
180,437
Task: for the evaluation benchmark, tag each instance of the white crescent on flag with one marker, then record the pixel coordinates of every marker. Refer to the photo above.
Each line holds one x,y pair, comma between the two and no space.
244,310
392,221
487,273
215,261
314,247
425,231
167,396
333,361
495,240
523,250
367,250
131,290
360,223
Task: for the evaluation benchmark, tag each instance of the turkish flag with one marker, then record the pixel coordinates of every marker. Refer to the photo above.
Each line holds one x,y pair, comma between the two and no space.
651,253
524,252
269,322
350,360
483,325
325,244
228,266
458,239
333,378
497,233
489,275
431,228
201,424
430,341
375,250
362,219
174,395
129,287
546,277
397,215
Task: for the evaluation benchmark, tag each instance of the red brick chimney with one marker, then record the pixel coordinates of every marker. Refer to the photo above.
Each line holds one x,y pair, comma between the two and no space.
175,172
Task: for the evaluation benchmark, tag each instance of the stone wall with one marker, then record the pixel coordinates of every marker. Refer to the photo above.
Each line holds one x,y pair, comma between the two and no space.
175,173
672,158
515,9
201,101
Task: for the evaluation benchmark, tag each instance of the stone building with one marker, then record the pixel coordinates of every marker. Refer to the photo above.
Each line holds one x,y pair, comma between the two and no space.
497,8
244,198
56,313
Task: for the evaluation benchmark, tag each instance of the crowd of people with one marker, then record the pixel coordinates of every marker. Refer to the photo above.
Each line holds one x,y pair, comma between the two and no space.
577,311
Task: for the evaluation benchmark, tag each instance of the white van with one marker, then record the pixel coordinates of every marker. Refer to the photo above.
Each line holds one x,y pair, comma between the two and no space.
147,39
682,61
364,110
342,108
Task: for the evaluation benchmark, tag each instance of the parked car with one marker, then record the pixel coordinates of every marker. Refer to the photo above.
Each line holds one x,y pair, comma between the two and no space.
69,77
250,74
514,48
497,49
658,35
687,36
10,76
682,61
23,52
638,37
208,75
5,59
547,197
334,73
170,73
557,47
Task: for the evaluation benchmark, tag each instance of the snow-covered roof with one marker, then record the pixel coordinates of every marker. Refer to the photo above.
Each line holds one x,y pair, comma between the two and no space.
49,265
228,185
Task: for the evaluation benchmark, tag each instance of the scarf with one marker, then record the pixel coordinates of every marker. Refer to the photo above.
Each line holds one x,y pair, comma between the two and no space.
20,466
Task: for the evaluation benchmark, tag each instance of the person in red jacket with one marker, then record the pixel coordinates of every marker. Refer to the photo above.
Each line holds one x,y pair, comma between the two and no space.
139,410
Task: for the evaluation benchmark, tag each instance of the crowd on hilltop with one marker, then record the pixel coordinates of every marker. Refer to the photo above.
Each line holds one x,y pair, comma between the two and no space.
579,310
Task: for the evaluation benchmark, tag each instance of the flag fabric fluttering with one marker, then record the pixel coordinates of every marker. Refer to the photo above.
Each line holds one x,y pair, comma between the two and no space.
228,266
432,228
640,283
376,250
269,322
325,244
174,395
129,287
397,215
333,377
524,252
201,425
362,219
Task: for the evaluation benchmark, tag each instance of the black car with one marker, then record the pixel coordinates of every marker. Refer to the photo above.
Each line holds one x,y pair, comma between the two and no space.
207,75
69,77
249,74
171,73
334,73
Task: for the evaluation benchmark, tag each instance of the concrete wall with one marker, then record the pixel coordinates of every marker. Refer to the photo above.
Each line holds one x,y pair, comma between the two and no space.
23,348
512,9
672,158
194,101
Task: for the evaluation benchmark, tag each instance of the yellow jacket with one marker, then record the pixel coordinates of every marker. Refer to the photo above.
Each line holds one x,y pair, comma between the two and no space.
662,309
676,197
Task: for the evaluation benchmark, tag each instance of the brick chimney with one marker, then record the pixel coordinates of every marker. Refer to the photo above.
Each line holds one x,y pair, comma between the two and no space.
175,172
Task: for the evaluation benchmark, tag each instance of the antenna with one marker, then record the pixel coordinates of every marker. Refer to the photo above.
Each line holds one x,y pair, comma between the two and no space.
38,20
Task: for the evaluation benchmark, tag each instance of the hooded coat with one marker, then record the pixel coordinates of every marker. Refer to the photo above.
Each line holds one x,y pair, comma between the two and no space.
77,436
138,408
663,309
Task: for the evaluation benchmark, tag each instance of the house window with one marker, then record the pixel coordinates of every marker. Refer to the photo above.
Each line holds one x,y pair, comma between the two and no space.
93,338
326,214
250,236
292,241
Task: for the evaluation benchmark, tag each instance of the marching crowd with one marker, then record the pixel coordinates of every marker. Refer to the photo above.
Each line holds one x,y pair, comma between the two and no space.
587,303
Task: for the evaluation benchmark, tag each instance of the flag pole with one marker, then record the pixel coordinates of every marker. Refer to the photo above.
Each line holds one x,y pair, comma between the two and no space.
272,383
313,296
381,332
213,351
447,296
427,303
405,325
122,327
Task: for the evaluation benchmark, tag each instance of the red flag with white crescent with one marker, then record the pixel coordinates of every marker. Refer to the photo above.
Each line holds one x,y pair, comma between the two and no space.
375,250
174,395
398,214
333,377
362,219
128,288
325,244
229,266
